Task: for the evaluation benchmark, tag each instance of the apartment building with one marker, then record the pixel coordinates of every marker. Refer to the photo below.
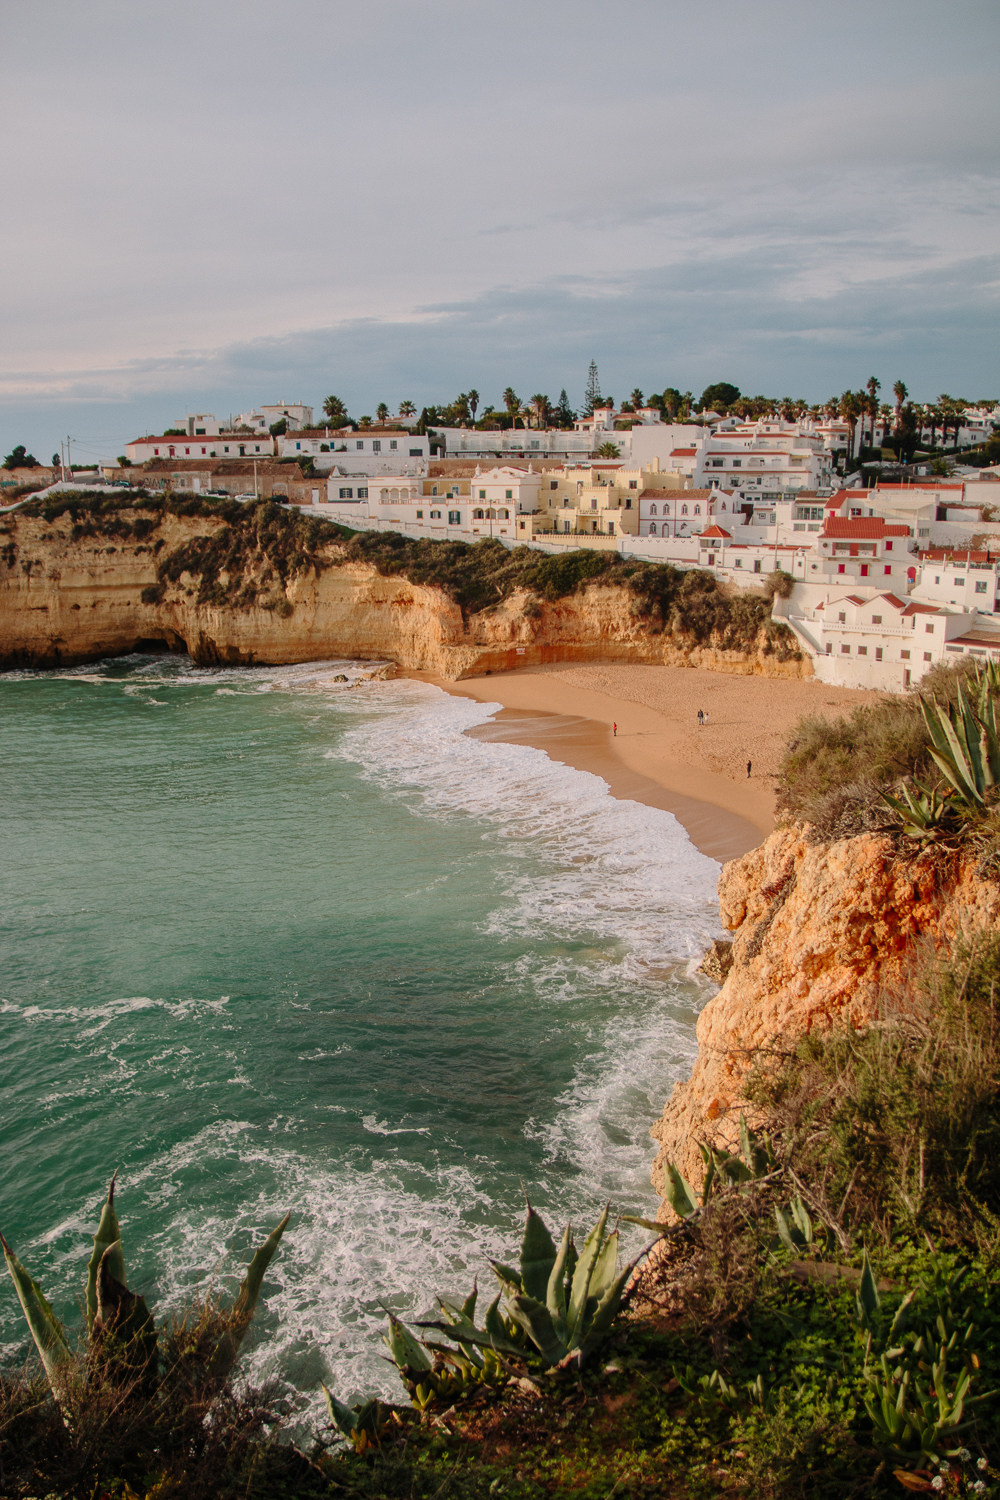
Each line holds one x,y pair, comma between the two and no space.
763,460
676,512
968,579
263,418
373,450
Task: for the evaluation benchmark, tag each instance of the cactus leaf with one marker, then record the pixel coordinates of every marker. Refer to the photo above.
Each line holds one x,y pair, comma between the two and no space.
785,1230
469,1305
746,1144
802,1219
538,1256
228,1347
407,1353
708,1183
108,1234
651,1224
680,1194
534,1318
343,1417
605,1313
605,1267
509,1279
555,1292
580,1289
869,1300
44,1326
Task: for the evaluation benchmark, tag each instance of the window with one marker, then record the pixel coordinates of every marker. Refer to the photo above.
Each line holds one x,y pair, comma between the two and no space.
887,569
435,515
298,447
416,452
716,463
652,510
738,563
845,650
508,494
420,515
980,588
392,444
876,619
927,656
454,518
360,443
878,653
929,629
888,546
347,494
862,650
553,484
633,484
628,502
697,510
737,463
756,564
904,656
959,583
363,492
482,494
937,577
684,510
829,647
841,568
434,489
652,528
842,617
376,445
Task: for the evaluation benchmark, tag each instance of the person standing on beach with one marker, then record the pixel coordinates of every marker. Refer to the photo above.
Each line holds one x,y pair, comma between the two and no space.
614,730
706,718
701,718
749,766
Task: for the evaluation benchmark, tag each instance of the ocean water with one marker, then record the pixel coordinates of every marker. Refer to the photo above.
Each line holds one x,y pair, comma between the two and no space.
269,943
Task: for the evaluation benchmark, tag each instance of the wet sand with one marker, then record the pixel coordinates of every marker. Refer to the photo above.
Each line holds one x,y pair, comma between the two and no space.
660,756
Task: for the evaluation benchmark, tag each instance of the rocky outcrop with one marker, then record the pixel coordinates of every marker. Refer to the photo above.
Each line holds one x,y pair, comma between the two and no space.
821,933
67,598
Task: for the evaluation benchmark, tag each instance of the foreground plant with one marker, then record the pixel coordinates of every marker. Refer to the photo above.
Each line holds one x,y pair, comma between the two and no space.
122,1336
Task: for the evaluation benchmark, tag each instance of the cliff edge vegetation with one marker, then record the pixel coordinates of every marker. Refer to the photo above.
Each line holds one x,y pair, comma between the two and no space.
83,576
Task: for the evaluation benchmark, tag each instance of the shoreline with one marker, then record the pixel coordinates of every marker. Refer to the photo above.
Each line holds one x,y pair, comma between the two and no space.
660,757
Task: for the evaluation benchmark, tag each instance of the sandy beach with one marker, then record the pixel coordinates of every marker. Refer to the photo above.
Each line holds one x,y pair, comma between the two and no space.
660,755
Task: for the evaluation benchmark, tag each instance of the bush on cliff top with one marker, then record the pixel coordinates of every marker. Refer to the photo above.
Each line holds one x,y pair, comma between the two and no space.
834,771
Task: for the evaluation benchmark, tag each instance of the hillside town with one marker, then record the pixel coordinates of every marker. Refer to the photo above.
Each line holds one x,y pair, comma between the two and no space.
882,565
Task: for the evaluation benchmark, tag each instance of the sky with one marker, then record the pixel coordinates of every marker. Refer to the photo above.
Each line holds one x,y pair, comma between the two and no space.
213,205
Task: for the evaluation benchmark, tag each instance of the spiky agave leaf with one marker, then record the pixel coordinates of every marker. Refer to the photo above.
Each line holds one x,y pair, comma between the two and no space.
557,1291
406,1351
108,1235
580,1287
344,1418
228,1347
538,1256
124,1335
44,1326
535,1319
679,1193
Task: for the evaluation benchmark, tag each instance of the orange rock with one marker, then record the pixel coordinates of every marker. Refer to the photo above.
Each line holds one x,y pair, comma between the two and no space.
820,933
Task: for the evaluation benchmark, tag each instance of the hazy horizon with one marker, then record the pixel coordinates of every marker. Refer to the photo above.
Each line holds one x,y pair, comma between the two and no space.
209,209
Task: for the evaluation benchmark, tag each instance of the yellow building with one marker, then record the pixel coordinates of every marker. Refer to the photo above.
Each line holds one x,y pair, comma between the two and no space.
598,499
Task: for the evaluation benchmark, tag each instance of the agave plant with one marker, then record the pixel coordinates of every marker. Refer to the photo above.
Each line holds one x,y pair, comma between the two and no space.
965,745
924,814
120,1327
723,1169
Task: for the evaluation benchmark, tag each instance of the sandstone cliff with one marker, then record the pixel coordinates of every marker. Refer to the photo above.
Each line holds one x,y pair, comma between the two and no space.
68,597
821,932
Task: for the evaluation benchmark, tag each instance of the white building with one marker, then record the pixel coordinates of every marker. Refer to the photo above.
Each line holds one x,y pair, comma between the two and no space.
764,459
675,512
968,580
198,424
226,445
513,443
363,451
263,418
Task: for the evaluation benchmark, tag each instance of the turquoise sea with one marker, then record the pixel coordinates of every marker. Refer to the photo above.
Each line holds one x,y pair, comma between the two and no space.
270,942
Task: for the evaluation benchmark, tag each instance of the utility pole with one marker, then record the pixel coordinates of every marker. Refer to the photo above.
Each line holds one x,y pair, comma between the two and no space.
255,494
69,462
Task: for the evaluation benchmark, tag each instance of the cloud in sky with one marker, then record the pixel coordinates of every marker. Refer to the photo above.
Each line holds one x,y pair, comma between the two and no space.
212,204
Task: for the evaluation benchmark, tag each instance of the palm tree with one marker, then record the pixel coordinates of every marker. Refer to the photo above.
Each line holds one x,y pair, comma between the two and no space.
872,386
540,406
850,409
637,399
335,408
407,409
609,450
900,392
382,412
473,400
513,403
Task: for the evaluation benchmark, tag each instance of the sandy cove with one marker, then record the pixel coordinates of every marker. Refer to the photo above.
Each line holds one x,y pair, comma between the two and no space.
660,756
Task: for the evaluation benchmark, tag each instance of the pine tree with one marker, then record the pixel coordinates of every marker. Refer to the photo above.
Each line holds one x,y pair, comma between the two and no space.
565,415
592,396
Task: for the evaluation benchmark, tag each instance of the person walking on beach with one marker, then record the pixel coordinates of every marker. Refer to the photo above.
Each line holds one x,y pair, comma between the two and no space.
706,718
749,767
701,718
614,730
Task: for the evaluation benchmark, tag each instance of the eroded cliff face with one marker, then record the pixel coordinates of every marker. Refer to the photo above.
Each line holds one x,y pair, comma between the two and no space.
65,600
820,933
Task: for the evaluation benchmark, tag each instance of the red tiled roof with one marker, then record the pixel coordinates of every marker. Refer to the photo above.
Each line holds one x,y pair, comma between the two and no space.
714,530
950,554
920,484
682,452
922,609
858,528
